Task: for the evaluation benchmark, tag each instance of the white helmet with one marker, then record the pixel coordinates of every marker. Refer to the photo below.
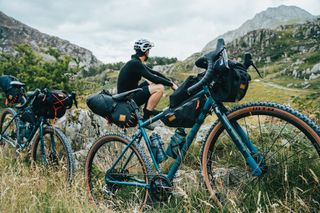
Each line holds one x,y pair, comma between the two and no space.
143,45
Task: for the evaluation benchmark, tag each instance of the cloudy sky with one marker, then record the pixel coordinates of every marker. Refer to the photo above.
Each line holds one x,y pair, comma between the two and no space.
109,27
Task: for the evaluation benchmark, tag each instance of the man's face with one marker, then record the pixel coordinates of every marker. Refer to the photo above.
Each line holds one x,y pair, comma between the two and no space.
147,54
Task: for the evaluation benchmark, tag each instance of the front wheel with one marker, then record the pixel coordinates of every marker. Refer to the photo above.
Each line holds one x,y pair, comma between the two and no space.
289,150
54,153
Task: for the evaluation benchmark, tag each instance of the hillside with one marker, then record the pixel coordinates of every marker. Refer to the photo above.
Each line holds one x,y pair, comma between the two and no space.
13,32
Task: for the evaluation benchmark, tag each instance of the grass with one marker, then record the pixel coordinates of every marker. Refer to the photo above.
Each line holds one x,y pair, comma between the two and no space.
23,189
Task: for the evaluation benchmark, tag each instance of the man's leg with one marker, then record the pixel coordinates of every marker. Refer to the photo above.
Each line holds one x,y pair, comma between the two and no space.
156,91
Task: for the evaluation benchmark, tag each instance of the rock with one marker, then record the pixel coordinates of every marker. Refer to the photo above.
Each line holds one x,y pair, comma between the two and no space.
314,76
202,133
316,69
80,157
295,73
83,128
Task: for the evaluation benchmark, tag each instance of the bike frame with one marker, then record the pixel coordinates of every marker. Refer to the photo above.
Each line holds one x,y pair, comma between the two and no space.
237,134
39,125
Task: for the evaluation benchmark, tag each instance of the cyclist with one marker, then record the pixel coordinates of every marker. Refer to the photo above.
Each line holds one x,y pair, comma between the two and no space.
152,88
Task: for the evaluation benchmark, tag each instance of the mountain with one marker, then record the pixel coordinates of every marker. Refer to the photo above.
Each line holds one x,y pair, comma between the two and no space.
270,18
288,55
14,32
289,50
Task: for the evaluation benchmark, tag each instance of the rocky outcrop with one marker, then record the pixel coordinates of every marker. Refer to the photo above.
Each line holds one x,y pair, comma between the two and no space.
13,32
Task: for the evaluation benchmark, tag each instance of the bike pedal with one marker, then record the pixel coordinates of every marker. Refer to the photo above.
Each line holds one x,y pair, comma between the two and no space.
106,191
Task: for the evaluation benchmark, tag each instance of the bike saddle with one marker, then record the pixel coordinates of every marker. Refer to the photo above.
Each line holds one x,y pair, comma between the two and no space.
30,93
126,95
16,84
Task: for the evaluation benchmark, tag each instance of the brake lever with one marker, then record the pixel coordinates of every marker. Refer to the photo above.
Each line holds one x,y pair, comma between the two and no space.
248,62
254,66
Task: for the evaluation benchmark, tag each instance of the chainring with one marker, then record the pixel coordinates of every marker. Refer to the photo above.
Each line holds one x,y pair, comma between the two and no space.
160,188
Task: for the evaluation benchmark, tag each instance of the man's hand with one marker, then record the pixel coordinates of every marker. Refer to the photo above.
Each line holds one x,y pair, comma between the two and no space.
174,86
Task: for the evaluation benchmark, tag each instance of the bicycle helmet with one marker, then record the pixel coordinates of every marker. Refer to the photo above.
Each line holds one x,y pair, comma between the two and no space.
142,45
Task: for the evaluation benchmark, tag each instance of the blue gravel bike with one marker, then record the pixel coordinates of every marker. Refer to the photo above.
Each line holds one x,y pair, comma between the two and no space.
261,154
21,130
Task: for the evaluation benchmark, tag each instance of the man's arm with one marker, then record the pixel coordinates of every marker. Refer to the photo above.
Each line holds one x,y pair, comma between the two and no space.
152,77
157,73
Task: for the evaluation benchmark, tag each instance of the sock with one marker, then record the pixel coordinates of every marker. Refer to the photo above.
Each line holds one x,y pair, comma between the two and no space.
146,114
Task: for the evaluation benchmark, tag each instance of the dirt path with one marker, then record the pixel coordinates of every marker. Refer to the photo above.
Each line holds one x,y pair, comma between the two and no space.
279,87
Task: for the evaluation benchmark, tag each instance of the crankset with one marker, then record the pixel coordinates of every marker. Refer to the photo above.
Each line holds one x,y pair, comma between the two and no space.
160,188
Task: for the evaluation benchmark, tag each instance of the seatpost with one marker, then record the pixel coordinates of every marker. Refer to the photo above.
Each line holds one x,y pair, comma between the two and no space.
135,107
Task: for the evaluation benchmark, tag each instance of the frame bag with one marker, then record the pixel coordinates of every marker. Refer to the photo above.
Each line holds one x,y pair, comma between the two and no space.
183,116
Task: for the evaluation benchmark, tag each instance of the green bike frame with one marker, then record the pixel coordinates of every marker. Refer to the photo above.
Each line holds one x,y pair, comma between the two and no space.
38,125
237,134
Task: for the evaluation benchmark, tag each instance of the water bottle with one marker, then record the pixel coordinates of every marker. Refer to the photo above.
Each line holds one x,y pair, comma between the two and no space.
176,143
28,131
22,130
157,148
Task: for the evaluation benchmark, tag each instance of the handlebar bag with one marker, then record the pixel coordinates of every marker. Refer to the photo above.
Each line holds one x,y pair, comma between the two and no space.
232,84
13,93
119,113
184,115
52,104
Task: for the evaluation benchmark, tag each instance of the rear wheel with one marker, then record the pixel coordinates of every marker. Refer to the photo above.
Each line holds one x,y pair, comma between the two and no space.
289,144
131,168
55,153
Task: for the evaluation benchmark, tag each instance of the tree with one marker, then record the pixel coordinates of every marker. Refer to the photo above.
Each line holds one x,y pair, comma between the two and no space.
35,72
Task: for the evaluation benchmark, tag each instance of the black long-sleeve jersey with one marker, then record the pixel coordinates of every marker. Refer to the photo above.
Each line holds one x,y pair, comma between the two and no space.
132,72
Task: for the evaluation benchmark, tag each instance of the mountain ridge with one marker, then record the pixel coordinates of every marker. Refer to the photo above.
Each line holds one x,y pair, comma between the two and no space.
13,32
270,18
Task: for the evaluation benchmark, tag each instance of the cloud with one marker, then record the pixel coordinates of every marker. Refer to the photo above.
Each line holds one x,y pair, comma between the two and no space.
109,27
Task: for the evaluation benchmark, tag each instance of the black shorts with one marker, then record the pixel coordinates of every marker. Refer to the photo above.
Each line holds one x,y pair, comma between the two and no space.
143,96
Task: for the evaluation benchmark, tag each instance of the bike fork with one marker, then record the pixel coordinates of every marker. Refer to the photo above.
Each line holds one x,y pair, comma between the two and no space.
252,148
240,139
